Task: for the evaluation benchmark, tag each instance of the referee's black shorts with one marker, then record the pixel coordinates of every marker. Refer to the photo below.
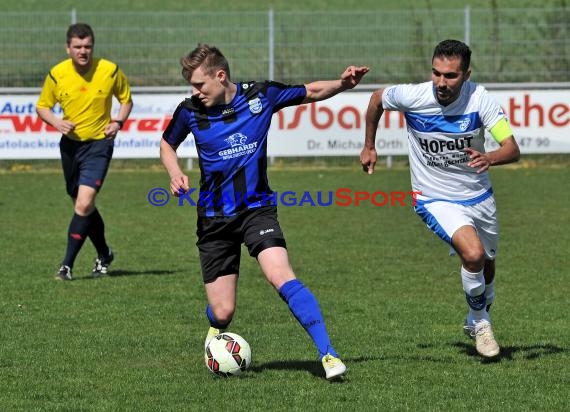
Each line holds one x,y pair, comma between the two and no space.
85,163
220,238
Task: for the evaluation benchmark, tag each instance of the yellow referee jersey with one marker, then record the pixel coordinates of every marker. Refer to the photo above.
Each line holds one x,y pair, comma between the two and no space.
86,100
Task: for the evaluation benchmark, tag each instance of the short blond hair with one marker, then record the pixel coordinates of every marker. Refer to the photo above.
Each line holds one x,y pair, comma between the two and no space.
208,57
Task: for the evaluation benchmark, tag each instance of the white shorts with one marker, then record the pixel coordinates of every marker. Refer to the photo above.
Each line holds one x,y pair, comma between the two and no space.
444,218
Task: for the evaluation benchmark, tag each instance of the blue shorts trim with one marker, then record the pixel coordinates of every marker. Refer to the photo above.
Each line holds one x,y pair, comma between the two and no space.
467,202
432,222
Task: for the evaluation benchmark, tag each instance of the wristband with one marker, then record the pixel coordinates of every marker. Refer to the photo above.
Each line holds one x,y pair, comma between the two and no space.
120,123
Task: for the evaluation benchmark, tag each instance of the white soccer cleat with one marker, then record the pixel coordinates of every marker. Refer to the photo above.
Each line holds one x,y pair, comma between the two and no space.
485,342
334,368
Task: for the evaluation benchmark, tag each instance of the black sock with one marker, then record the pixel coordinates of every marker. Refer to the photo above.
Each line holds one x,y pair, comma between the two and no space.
97,234
77,232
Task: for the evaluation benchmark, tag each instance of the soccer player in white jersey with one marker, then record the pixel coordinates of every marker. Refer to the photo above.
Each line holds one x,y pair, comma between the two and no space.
446,120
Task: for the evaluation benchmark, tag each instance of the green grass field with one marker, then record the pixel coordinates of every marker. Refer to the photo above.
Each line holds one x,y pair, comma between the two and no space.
389,292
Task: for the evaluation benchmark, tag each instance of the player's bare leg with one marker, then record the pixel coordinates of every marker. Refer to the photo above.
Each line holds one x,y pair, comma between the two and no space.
467,244
221,294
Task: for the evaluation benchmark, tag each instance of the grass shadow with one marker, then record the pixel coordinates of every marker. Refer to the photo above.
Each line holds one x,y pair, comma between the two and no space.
122,272
313,367
512,353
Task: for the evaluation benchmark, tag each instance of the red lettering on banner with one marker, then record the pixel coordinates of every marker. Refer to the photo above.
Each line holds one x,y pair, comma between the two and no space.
557,114
513,107
34,124
563,110
328,113
296,118
344,113
523,113
321,117
388,115
127,124
280,120
527,109
523,110
25,123
166,122
148,125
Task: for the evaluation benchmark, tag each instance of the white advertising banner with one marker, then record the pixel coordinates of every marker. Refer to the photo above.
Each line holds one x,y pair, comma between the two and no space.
540,120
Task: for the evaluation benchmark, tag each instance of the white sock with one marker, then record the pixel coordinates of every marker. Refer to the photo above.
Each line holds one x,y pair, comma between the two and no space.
474,287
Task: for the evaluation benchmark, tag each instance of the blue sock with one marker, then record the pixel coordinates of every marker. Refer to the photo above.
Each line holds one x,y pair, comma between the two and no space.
213,321
305,308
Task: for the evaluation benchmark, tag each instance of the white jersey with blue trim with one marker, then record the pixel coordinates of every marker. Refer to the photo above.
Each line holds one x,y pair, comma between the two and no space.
437,136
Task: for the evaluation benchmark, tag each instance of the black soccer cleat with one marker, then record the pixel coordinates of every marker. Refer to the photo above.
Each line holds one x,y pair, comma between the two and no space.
102,264
64,273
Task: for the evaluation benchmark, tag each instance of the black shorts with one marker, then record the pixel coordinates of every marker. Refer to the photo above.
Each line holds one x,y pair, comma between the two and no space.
220,238
85,163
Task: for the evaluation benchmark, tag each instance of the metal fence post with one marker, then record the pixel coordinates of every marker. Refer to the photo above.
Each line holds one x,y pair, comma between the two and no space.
271,39
467,19
271,55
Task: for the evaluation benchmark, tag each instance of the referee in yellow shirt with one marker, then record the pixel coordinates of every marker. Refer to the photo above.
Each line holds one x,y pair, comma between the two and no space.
84,88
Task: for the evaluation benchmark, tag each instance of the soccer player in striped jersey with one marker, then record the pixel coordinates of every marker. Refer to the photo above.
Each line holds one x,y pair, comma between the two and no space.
446,122
230,123
84,87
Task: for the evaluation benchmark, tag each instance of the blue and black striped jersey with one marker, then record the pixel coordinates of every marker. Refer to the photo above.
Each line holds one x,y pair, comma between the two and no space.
231,141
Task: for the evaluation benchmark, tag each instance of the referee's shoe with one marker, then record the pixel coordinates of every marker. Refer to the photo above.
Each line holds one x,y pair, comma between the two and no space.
102,264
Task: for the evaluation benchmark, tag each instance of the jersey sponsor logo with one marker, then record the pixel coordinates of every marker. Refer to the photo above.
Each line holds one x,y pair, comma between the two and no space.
423,122
238,147
228,111
236,139
464,124
255,105
442,146
262,232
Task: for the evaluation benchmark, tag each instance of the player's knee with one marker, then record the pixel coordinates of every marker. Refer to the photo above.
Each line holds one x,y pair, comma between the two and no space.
84,208
224,313
473,259
278,279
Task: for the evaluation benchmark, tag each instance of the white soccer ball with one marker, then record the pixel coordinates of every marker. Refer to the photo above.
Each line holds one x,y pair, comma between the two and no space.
227,354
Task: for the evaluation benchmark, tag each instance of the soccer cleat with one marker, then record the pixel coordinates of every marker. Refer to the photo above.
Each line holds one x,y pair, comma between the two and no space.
102,264
485,342
334,368
64,273
469,330
211,333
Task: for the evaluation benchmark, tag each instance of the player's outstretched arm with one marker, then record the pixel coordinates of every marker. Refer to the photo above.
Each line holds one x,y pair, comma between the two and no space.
323,89
368,155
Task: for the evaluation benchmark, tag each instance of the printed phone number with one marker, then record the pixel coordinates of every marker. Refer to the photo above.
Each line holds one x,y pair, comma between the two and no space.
526,142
